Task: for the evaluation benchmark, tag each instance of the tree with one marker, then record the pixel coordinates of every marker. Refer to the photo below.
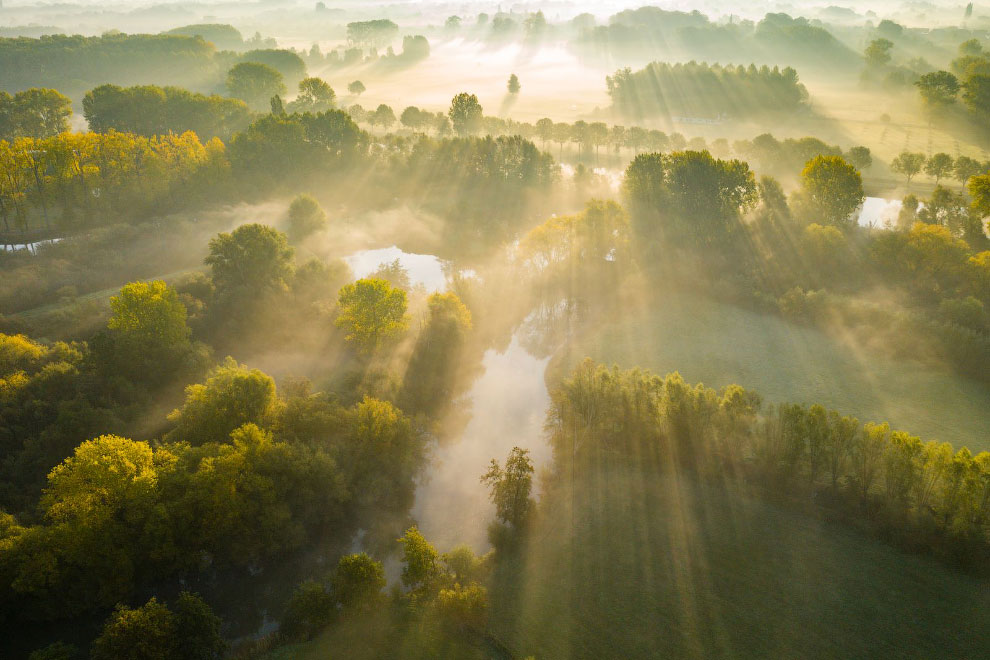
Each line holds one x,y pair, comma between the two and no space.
431,375
356,87
371,312
231,397
939,88
513,84
877,54
939,165
976,94
315,95
979,191
966,167
544,130
421,568
149,315
306,217
908,164
688,196
465,114
250,260
36,113
511,486
452,24
383,116
358,581
145,633
197,629
310,609
254,83
561,135
413,118
860,158
463,607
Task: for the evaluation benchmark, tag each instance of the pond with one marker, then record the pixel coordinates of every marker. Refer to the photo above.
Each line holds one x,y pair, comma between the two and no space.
879,213
424,269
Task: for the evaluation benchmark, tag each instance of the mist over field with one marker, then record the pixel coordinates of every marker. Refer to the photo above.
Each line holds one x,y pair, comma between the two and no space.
468,330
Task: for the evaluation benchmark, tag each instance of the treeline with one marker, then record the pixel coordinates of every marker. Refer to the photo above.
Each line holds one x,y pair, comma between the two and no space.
703,90
150,110
76,180
656,32
922,495
75,64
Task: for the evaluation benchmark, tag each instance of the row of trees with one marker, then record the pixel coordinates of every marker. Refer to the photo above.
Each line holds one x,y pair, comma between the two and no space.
81,178
702,90
938,166
149,110
926,494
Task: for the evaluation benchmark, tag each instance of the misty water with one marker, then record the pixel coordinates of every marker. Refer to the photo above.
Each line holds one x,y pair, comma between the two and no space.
879,213
507,405
424,269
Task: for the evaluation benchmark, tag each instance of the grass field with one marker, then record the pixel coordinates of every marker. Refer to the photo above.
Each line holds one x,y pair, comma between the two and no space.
719,344
660,567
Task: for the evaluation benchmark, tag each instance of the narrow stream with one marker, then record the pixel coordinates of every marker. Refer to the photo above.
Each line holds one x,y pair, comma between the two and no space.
507,405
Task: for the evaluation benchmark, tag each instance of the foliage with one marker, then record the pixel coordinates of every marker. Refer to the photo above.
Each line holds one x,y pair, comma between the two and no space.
34,113
834,189
465,114
687,196
306,217
232,396
702,90
372,312
254,83
510,487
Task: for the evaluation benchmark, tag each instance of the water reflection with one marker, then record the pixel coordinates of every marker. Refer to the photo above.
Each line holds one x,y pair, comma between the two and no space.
507,404
424,269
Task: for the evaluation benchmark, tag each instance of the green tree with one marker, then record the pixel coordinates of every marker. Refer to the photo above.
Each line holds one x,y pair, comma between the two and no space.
908,164
976,94
877,54
465,114
315,95
966,167
413,118
358,581
513,85
145,633
250,260
306,217
511,486
860,158
310,610
150,315
254,83
232,396
938,89
198,629
371,312
382,116
356,88
463,607
36,113
421,569
938,166
834,189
